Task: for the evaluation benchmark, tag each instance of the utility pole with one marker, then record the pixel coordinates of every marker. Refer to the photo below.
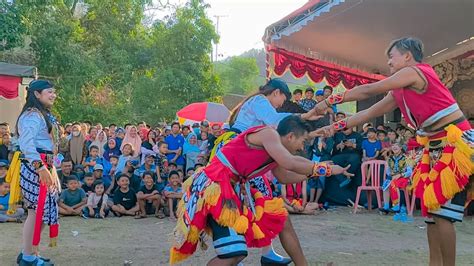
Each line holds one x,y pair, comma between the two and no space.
217,30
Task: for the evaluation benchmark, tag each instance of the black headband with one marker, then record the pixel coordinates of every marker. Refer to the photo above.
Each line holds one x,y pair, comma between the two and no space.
39,84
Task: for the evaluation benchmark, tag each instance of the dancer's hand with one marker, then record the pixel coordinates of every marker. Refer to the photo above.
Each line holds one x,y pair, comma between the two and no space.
326,132
337,170
45,177
312,115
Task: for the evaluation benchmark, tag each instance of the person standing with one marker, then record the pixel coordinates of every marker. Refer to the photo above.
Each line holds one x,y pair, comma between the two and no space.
38,133
175,143
441,177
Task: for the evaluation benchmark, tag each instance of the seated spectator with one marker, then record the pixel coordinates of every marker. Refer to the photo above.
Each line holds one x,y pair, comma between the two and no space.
79,171
113,159
308,102
328,92
371,146
386,145
204,146
172,167
295,198
65,172
297,95
73,199
161,162
100,141
4,205
132,138
3,169
119,136
88,183
346,152
399,173
125,199
189,172
97,202
149,198
340,116
147,166
93,159
173,193
5,147
127,155
111,149
392,136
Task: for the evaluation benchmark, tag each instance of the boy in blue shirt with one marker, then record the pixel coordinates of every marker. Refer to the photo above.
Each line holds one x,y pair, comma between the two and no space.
93,159
371,146
173,193
4,198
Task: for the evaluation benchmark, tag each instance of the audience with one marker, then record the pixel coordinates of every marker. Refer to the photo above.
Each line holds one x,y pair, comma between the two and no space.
97,203
72,199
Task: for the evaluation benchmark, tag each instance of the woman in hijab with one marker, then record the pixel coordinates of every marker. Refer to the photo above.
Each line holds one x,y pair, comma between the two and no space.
111,148
132,137
143,133
100,141
147,144
77,144
191,150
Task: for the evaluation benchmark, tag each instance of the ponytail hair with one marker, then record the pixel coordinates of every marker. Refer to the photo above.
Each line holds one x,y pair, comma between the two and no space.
265,90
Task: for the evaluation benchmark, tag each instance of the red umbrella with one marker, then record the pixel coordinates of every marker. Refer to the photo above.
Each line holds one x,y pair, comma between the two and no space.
212,112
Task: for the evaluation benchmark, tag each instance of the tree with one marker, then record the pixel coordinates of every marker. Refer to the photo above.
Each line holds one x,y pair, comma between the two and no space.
12,29
238,74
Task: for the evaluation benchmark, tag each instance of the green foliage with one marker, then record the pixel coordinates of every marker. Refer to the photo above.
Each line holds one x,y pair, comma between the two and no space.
12,28
238,74
109,67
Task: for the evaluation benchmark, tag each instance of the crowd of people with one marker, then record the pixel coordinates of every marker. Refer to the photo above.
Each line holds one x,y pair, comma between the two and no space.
136,170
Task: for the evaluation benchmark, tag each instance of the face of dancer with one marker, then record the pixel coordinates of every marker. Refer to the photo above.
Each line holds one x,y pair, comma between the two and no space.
46,97
398,60
294,143
277,98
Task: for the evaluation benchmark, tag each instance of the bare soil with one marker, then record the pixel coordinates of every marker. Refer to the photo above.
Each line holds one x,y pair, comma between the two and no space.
336,236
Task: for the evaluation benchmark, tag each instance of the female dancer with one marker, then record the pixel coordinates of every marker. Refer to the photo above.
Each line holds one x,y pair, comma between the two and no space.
440,178
257,110
38,139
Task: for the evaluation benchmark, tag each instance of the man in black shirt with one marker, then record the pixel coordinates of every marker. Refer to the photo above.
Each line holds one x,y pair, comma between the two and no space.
347,151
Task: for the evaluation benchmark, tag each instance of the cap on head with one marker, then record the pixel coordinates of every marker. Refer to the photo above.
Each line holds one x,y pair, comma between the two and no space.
281,85
39,84
98,167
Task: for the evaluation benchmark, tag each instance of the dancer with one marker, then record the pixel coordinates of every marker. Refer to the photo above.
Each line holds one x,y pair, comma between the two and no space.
257,110
219,197
441,177
38,133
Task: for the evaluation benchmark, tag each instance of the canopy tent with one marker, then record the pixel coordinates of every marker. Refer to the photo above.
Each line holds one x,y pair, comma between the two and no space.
352,35
13,79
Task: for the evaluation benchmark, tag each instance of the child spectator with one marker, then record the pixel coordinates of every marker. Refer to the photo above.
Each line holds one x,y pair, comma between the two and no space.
4,198
308,102
149,198
161,161
189,172
204,146
297,95
398,178
111,149
295,198
79,171
100,141
127,155
371,146
147,166
392,136
386,145
113,165
97,202
73,199
88,184
173,193
93,159
125,199
3,170
172,167
119,136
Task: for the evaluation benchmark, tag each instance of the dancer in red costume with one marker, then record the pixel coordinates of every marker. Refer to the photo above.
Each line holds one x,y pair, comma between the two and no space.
220,199
442,175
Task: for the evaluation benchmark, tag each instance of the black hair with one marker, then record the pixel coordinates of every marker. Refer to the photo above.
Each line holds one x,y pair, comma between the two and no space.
175,123
142,122
128,124
4,124
150,174
297,91
88,174
309,89
173,173
327,87
123,175
92,127
72,178
196,166
371,129
408,44
186,127
33,103
267,89
161,143
179,170
292,123
112,125
67,160
190,168
381,131
173,164
93,147
341,113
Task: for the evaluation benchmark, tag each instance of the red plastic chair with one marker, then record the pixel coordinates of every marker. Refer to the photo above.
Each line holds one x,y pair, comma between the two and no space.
372,169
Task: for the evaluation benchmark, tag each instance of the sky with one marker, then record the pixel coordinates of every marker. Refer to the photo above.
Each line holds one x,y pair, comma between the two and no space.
244,21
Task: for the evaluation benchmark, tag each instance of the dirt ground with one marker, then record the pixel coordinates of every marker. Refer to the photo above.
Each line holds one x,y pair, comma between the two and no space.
334,236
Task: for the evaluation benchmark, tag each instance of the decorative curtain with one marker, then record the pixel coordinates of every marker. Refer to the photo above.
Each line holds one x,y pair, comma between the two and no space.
317,70
9,86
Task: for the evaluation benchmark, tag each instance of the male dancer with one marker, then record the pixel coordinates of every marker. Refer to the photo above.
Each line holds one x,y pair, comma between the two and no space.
219,198
441,177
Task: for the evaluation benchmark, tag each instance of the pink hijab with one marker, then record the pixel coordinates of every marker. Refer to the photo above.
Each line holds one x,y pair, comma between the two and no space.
135,141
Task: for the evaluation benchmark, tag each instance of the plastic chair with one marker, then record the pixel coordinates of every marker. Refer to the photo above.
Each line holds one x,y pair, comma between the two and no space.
371,169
